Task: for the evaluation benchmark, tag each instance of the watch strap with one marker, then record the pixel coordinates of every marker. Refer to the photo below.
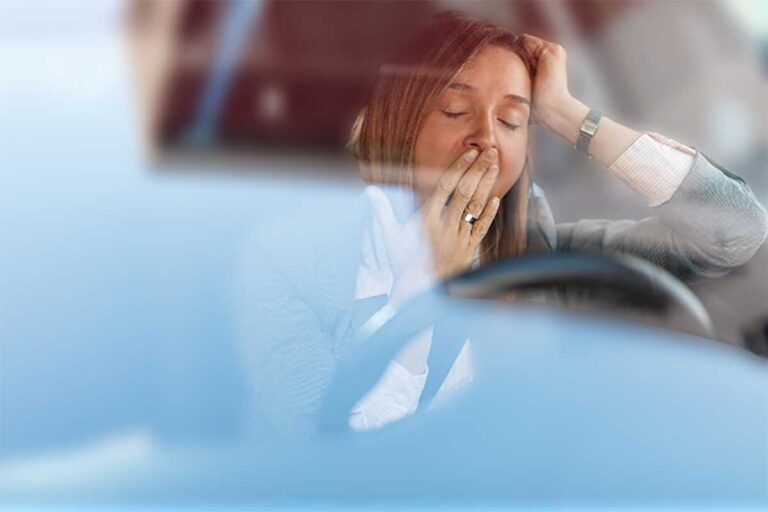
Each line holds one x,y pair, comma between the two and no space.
587,130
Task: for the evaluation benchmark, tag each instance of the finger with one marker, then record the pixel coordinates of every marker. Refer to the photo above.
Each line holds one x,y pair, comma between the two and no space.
465,190
537,47
479,200
483,190
531,42
448,182
482,225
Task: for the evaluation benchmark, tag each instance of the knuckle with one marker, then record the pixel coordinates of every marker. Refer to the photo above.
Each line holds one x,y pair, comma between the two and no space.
482,229
465,190
489,179
475,206
445,185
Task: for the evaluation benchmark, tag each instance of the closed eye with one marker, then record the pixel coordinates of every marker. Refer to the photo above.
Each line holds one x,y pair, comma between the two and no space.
513,127
453,115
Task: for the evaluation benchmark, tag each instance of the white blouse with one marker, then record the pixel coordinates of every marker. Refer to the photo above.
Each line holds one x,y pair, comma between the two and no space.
652,166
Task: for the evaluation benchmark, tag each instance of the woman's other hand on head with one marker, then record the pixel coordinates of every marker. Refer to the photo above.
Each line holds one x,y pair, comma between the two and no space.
550,83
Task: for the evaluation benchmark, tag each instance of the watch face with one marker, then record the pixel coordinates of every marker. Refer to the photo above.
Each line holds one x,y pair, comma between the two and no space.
589,127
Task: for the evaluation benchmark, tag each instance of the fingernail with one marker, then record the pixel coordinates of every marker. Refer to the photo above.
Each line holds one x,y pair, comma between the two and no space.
496,201
490,154
471,154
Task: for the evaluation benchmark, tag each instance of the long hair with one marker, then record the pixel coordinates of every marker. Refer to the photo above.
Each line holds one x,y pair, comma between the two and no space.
384,135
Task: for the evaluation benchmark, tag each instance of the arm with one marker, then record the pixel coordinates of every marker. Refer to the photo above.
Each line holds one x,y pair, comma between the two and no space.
288,354
292,350
611,140
558,111
432,243
397,264
706,220
711,224
398,391
295,316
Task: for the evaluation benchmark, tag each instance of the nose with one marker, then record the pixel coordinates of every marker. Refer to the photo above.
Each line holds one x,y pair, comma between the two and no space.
482,134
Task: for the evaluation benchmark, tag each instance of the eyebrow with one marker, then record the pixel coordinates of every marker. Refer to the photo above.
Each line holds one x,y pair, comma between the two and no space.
458,86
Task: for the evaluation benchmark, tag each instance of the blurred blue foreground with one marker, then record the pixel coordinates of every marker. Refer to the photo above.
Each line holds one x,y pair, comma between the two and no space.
571,412
122,382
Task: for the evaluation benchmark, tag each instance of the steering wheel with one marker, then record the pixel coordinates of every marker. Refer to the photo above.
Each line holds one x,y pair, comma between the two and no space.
623,279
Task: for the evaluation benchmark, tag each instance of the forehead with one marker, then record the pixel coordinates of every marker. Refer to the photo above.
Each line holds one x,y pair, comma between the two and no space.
496,70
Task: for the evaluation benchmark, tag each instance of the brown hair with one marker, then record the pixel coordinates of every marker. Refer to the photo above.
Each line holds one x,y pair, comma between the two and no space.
384,135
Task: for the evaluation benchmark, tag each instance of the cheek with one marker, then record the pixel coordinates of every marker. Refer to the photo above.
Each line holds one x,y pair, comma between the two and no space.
512,163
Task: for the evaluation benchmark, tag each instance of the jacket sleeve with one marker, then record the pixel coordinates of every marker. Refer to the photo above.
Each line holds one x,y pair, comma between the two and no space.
712,223
287,353
290,351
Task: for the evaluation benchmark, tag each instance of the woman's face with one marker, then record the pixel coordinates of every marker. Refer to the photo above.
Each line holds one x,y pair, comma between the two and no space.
487,105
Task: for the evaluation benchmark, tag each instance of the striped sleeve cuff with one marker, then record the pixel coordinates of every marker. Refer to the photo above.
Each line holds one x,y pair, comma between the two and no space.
654,166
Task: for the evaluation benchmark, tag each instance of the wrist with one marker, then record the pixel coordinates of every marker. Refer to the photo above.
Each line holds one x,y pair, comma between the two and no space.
565,118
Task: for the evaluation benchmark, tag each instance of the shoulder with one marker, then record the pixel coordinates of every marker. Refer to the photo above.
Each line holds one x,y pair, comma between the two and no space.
542,229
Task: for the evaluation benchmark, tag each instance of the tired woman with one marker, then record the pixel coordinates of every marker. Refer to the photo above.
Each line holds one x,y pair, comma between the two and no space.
448,120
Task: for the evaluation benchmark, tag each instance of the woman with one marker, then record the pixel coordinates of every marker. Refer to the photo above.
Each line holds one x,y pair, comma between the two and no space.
449,119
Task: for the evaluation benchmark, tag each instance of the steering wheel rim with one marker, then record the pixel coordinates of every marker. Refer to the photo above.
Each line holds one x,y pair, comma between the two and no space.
387,331
639,282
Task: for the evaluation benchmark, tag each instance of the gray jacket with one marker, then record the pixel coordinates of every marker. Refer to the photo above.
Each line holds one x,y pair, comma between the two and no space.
298,313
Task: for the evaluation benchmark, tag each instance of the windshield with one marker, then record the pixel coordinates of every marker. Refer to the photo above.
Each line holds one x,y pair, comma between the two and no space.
256,249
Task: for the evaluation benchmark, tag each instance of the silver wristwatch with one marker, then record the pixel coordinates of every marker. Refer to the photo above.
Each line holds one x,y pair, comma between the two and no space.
587,130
